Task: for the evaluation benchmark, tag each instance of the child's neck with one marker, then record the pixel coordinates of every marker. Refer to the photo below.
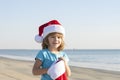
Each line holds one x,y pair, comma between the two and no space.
53,50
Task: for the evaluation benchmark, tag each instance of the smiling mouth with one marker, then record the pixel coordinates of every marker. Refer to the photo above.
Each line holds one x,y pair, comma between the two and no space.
55,43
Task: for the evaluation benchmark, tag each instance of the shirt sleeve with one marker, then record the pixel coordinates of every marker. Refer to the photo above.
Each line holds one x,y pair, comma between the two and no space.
40,56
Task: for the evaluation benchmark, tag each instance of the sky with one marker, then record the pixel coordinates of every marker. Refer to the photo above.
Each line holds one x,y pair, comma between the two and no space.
89,24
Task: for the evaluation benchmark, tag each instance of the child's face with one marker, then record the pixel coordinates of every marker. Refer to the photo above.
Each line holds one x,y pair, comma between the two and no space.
54,41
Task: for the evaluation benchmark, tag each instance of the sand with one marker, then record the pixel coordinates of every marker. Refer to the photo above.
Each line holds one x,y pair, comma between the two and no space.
22,70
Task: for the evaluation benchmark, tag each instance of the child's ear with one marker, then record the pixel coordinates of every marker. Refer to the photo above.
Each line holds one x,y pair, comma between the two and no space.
46,43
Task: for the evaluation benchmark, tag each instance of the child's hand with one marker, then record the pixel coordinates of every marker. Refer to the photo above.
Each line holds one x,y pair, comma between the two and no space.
62,58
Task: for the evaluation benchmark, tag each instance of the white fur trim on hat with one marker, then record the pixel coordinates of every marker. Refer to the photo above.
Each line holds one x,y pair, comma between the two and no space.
56,70
53,28
38,38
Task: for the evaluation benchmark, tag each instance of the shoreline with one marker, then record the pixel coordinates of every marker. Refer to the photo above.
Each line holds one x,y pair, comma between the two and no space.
74,64
11,69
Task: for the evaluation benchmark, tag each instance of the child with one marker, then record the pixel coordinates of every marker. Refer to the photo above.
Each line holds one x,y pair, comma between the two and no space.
51,61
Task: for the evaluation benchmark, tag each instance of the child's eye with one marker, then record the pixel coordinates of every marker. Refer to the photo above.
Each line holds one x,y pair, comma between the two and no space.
58,37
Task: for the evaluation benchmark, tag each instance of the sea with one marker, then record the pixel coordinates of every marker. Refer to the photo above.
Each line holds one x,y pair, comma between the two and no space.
97,59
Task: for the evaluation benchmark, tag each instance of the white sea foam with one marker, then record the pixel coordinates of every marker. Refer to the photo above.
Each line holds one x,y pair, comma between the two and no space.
103,66
18,57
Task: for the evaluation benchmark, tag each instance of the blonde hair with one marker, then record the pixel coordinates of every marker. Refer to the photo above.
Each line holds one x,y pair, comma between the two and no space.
45,42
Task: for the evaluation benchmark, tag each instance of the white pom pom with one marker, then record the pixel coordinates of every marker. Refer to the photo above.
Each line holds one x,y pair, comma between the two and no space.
38,38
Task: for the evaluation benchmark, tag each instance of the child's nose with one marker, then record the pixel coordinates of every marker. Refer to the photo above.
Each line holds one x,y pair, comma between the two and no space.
56,38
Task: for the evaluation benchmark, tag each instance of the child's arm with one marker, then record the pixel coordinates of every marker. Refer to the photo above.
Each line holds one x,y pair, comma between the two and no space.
68,71
37,70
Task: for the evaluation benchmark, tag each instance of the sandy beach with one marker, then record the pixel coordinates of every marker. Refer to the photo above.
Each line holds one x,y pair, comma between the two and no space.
22,70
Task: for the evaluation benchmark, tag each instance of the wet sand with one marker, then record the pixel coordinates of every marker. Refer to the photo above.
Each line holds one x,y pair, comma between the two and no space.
11,69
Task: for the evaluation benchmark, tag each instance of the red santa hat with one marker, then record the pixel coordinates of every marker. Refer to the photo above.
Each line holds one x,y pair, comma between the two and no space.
49,27
57,71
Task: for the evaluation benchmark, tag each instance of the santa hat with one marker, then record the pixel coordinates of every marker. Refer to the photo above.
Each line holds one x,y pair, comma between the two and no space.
57,71
49,27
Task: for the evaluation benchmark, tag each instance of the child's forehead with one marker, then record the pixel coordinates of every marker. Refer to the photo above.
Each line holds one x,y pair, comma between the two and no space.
55,34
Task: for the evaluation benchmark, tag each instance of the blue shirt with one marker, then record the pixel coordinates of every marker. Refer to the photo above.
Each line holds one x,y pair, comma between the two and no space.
48,58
